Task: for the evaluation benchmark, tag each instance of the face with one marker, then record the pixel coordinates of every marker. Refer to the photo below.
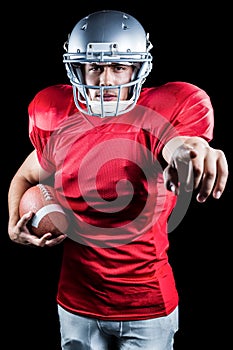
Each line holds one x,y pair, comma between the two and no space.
108,75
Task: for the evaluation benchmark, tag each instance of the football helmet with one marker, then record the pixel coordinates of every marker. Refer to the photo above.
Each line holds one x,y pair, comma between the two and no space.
106,37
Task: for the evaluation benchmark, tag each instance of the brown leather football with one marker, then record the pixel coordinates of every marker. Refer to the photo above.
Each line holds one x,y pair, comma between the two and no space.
49,216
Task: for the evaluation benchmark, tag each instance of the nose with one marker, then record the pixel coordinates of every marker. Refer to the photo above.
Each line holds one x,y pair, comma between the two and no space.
106,77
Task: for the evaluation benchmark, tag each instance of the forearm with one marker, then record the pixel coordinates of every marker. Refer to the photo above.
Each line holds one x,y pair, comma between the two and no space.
26,176
17,187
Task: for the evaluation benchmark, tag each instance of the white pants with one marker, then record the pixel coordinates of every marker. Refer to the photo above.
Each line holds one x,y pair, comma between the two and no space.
83,333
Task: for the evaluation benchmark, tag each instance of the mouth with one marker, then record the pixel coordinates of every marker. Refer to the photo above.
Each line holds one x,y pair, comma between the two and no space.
106,97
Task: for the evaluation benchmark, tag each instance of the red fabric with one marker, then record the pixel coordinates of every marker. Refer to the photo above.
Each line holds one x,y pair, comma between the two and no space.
108,173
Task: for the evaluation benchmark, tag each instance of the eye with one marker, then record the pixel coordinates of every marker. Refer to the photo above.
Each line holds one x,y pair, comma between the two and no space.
120,67
95,68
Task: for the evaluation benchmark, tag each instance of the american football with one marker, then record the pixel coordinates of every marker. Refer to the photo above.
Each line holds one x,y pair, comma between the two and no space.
49,215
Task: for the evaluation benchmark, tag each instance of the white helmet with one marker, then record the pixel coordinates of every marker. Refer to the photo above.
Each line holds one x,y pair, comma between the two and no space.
107,37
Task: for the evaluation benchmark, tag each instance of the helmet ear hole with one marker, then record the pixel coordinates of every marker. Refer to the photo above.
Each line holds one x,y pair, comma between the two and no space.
133,77
135,72
143,70
77,69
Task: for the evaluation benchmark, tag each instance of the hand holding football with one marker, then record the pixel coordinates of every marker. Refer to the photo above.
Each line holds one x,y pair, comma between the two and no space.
49,215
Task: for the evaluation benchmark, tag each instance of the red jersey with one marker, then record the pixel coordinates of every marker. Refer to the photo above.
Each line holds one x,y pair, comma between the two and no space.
109,176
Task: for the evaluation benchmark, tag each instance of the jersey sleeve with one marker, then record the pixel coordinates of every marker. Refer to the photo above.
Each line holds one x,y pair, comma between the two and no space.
183,110
48,109
193,115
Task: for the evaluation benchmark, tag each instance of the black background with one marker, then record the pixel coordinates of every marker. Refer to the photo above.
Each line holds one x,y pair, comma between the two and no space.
192,43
